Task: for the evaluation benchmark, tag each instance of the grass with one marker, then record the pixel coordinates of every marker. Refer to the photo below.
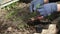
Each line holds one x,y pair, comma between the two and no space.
11,6
12,14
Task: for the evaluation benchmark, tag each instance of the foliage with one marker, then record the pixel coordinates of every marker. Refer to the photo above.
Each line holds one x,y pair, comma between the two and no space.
11,6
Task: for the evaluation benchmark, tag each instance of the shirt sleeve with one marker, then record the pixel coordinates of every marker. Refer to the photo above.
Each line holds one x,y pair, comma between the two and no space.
53,0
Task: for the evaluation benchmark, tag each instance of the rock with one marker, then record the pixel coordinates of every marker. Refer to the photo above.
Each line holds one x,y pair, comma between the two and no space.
9,29
51,30
44,31
36,33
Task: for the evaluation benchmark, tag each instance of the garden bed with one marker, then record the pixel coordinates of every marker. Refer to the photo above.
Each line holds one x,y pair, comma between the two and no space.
14,18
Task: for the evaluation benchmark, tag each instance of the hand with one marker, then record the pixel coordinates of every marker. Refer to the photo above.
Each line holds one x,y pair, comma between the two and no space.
36,4
36,18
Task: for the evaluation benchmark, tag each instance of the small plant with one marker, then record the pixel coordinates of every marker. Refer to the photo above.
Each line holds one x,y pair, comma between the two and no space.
11,6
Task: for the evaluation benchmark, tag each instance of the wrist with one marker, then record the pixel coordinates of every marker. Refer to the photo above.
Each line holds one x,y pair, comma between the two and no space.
46,1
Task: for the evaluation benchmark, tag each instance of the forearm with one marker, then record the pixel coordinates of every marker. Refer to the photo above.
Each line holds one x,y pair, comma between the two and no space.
58,7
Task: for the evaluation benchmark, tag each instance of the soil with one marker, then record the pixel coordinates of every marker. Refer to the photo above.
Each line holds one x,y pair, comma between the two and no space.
8,26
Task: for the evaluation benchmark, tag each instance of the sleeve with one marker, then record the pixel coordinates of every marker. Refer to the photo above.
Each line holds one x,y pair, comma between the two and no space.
53,0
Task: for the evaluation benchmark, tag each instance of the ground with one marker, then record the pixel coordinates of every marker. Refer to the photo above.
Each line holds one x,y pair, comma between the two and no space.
13,19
